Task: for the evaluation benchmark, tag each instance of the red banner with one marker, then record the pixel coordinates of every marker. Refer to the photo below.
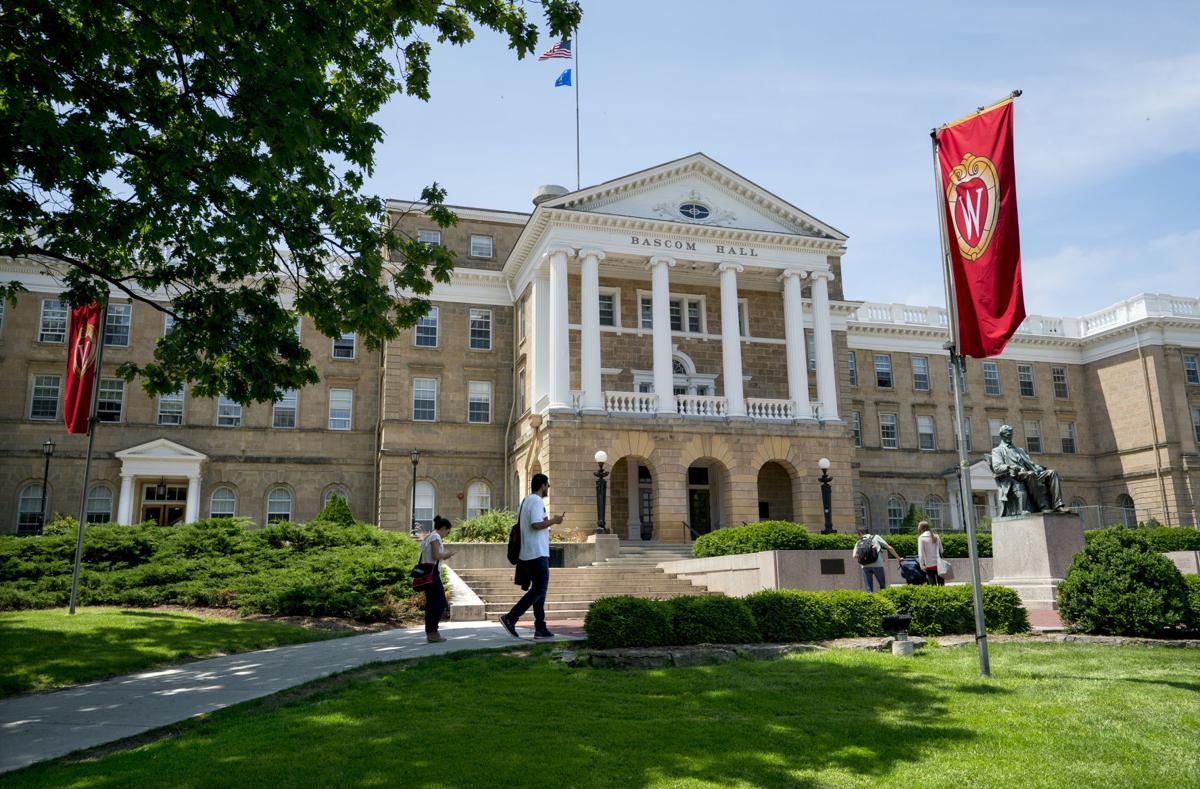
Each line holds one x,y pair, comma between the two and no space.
975,157
81,366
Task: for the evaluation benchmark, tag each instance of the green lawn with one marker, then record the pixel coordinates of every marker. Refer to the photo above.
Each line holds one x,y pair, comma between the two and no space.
1059,715
50,649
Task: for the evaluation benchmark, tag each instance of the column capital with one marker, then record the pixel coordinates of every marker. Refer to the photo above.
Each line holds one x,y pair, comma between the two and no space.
660,260
552,251
788,273
728,265
592,253
824,274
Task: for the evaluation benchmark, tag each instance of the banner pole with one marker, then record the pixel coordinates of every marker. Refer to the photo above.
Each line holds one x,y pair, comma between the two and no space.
575,53
959,379
87,463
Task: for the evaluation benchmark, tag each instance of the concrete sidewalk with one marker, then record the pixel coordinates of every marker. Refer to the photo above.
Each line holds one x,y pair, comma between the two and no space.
48,725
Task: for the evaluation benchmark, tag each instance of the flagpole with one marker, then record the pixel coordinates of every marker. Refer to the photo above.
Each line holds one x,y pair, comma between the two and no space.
87,463
575,54
958,364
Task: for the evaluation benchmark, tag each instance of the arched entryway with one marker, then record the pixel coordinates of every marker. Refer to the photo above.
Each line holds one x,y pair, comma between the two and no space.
632,499
775,495
709,506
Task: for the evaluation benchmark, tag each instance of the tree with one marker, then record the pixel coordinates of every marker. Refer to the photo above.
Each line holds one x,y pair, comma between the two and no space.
215,151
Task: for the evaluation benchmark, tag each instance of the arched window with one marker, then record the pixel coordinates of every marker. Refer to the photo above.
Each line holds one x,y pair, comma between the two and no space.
933,512
479,499
279,505
895,513
678,367
222,503
99,504
1128,511
1078,504
862,512
29,509
329,494
424,504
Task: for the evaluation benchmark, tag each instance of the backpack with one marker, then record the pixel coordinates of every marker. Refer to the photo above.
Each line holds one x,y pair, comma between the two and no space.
514,538
865,550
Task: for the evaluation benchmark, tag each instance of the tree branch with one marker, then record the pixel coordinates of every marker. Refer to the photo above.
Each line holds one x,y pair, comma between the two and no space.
95,272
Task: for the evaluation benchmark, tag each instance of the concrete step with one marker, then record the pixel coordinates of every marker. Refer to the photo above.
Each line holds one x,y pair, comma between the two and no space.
487,593
585,599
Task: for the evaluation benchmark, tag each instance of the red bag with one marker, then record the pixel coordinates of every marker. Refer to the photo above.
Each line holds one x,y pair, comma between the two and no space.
423,574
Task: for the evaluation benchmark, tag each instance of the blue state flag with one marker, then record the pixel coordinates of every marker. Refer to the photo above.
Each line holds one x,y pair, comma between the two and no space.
563,79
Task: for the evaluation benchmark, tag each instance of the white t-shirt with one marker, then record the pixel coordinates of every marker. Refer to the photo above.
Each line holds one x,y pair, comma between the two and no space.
427,547
881,545
929,548
535,543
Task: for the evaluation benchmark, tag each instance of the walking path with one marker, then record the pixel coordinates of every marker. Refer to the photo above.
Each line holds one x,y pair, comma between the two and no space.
48,725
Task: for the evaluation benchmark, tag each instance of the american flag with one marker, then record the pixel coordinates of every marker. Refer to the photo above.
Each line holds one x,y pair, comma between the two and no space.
560,50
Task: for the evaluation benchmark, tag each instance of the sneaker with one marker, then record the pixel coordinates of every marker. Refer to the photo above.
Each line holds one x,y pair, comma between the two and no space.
509,626
542,634
434,638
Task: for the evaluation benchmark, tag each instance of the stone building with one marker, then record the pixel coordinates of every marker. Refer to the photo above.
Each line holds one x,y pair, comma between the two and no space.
681,319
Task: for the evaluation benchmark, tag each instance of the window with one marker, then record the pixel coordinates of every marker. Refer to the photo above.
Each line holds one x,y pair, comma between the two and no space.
852,366
694,323
811,349
99,504
279,505
1061,390
696,212
53,324
925,437
116,326
297,327
1191,371
966,432
481,246
341,409
1033,436
689,310
424,504
933,512
427,329
646,312
1025,379
991,378
994,426
329,494
424,399
170,408
479,499
111,400
743,318
222,503
920,371
43,402
29,509
431,237
888,437
862,512
1067,431
1077,504
895,512
608,309
283,412
479,402
856,428
481,330
952,376
229,412
1128,510
168,323
883,371
343,345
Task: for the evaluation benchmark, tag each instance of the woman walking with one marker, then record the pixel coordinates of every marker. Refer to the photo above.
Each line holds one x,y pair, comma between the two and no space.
433,551
929,551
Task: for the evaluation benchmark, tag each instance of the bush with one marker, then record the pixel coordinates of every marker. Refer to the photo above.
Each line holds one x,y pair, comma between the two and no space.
336,511
701,619
946,610
752,538
1193,583
857,614
628,622
1163,539
1120,584
785,615
490,526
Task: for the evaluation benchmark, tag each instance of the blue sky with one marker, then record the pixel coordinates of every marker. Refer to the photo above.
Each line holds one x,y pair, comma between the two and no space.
830,106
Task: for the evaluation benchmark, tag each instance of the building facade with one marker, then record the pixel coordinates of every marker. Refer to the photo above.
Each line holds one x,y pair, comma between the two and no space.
681,319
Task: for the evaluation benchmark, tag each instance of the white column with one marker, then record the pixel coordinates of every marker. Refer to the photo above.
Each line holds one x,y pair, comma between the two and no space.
589,346
125,501
793,332
731,340
634,521
560,338
191,512
539,333
664,377
823,340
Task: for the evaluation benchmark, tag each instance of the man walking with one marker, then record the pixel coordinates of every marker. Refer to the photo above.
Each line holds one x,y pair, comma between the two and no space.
534,559
868,552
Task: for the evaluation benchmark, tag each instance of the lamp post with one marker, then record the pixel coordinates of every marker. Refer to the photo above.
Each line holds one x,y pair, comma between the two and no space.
601,490
826,494
415,456
48,451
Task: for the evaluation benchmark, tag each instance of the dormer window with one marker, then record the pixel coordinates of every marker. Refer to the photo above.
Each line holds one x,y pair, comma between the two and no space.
696,212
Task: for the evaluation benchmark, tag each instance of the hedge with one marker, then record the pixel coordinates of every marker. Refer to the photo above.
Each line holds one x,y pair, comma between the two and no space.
787,536
1193,583
490,526
1162,538
778,616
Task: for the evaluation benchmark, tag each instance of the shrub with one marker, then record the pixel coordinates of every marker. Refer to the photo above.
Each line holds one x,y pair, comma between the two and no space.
336,511
945,610
752,538
785,615
1193,583
1121,585
628,622
1162,538
857,614
490,526
703,619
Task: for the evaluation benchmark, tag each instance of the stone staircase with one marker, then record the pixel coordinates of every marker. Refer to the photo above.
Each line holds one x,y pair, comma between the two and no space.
573,589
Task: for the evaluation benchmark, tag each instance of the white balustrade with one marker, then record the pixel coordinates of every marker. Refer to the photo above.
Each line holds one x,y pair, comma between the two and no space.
816,409
702,405
576,399
631,403
769,408
916,315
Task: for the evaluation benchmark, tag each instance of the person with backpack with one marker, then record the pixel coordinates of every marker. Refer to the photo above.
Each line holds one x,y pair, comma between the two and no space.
868,552
929,553
533,561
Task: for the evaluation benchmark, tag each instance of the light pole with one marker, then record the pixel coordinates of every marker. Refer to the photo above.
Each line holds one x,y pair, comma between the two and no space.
48,451
415,455
601,490
826,494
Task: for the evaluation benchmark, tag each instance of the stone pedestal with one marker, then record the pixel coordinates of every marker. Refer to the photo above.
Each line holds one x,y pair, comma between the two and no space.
1031,554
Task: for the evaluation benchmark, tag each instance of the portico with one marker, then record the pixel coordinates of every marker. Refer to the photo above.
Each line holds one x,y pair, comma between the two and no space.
175,468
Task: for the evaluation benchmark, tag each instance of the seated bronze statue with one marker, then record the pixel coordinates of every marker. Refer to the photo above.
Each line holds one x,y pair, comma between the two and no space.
1024,486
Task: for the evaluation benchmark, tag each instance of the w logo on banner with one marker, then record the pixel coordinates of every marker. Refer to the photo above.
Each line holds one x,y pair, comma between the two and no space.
971,195
81,367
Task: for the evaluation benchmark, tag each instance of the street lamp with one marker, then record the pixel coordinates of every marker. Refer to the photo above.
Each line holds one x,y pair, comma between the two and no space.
415,456
826,494
601,490
48,451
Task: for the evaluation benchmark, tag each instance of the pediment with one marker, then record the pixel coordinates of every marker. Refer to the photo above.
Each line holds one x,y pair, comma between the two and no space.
160,449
